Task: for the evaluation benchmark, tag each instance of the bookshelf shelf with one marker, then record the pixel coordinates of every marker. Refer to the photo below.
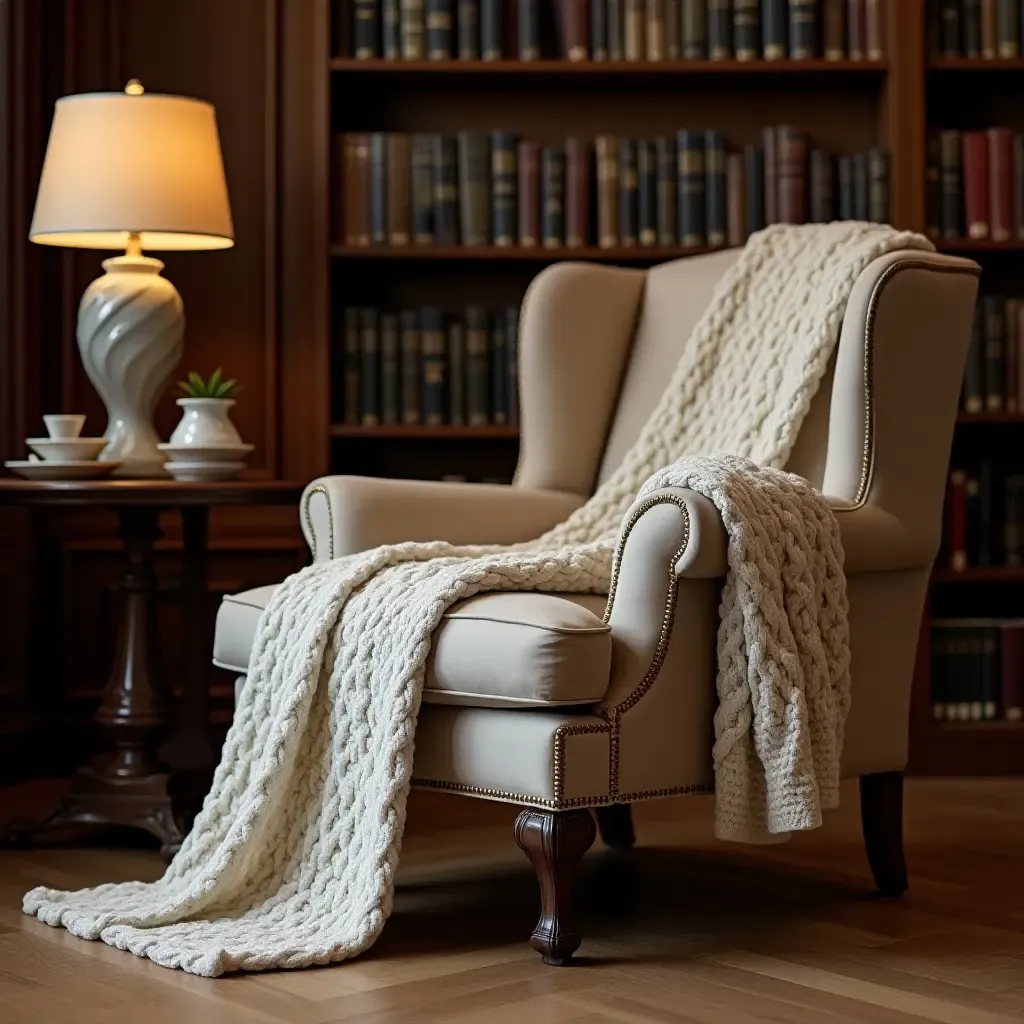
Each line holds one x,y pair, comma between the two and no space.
979,418
979,574
948,64
513,252
411,433
996,725
959,245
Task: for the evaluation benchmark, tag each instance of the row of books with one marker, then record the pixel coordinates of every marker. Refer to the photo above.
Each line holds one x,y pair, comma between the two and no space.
981,29
419,366
977,669
984,518
994,373
976,185
632,30
476,189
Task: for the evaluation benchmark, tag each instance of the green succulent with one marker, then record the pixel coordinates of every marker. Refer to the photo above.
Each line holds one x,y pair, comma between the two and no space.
215,387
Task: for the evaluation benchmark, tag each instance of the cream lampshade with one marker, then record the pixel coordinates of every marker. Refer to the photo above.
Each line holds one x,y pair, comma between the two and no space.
132,171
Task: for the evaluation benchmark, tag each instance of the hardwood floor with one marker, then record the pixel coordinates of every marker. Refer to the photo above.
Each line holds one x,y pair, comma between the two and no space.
679,929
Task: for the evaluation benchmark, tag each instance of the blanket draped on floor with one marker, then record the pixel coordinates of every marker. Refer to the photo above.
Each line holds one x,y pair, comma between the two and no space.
291,861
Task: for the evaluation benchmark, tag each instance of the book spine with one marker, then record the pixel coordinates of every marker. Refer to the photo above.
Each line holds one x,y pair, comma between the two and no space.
1012,672
874,29
989,33
856,43
512,362
434,364
775,20
647,192
753,207
459,374
690,148
410,344
423,189
412,30
993,332
656,41
399,189
665,156
474,188
938,672
716,217
933,190
694,30
985,554
628,192
369,368
528,29
956,518
952,190
492,29
599,29
1000,183
575,30
792,175
803,29
673,32
720,29
389,374
528,167
439,29
970,28
477,369
1013,520
553,197
823,207
606,152
878,186
974,371
357,189
616,30
350,393
1018,187
498,358
577,193
971,521
834,29
769,139
844,173
366,30
633,30
391,30
990,672
975,175
736,233
469,29
1011,370
379,188
1019,341
746,29
504,189
446,190
861,201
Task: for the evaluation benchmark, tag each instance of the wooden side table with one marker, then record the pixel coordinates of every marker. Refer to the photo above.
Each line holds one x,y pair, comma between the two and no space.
132,787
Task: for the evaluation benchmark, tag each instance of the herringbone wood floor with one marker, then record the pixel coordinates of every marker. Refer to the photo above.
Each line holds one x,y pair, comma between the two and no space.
682,929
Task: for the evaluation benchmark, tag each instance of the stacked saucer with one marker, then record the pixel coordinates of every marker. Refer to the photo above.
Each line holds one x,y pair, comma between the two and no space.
64,455
194,463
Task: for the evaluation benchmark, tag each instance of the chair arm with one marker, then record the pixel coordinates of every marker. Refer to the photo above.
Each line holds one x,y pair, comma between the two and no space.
344,514
875,540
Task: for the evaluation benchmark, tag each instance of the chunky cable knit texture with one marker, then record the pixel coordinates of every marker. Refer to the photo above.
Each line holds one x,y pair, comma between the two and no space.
291,861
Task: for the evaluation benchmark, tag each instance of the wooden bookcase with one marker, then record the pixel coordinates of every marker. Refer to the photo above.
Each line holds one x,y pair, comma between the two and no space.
846,106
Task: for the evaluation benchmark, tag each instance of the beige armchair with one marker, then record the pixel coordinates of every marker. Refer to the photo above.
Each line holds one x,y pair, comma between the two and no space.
566,703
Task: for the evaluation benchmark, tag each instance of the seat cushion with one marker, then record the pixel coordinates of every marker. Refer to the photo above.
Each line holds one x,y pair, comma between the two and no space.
491,650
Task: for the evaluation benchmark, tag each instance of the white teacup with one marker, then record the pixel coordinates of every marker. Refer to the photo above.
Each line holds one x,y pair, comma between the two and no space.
64,425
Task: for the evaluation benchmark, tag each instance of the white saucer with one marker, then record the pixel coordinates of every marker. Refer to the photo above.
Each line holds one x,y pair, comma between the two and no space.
206,452
43,469
196,472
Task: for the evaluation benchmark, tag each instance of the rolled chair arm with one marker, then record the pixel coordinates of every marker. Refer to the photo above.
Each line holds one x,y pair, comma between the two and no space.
344,514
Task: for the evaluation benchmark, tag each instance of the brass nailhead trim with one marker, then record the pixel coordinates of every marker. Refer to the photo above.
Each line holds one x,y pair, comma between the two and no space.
561,734
319,489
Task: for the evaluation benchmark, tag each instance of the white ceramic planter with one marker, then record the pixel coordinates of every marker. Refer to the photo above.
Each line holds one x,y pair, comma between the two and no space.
205,422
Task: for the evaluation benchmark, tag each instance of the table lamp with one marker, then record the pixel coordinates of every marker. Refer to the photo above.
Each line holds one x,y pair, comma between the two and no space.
132,171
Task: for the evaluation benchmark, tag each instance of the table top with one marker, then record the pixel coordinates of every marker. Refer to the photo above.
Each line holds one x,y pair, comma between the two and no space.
164,493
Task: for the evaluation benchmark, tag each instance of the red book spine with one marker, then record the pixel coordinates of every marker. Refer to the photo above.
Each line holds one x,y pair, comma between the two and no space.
528,164
791,175
1013,671
956,520
575,29
975,165
1000,183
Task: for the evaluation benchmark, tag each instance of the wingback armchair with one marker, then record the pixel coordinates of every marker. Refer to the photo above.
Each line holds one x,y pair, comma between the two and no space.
577,706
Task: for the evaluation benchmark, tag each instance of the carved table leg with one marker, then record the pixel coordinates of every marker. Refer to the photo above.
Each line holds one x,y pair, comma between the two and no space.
881,815
555,842
615,823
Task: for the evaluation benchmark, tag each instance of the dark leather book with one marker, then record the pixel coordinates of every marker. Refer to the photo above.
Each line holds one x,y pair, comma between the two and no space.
478,374
369,368
878,185
528,29
616,30
357,188
552,164
391,30
439,29
504,189
1013,523
599,29
628,192
976,193
1012,655
399,189
861,187
673,33
1018,186
574,28
874,29
647,192
379,188
694,30
577,192
746,29
993,326
735,189
715,198
933,190
413,30
990,678
423,147
690,181
475,188
656,39
956,520
366,29
952,188
433,346
350,390
720,29
411,373
633,31
775,27
1000,184
665,157
459,374
606,158
492,29
833,29
1011,367
803,29
949,28
856,42
446,189
823,200
753,180
469,29
844,174
528,170
511,317
339,170
769,140
498,360
390,381
984,554
792,174
970,28
989,34
974,371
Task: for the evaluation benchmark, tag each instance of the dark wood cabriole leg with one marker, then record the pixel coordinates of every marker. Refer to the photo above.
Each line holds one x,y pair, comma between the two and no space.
555,842
881,814
615,824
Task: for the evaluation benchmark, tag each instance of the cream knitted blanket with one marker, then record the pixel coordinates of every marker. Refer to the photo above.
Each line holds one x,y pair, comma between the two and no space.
291,861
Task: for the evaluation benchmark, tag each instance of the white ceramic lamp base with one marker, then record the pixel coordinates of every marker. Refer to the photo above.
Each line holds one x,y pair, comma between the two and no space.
130,336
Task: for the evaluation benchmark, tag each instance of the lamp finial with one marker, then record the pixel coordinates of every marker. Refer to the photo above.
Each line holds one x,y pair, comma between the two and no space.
134,87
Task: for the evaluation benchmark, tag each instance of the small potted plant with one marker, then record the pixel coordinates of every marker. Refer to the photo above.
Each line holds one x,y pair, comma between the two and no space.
205,420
